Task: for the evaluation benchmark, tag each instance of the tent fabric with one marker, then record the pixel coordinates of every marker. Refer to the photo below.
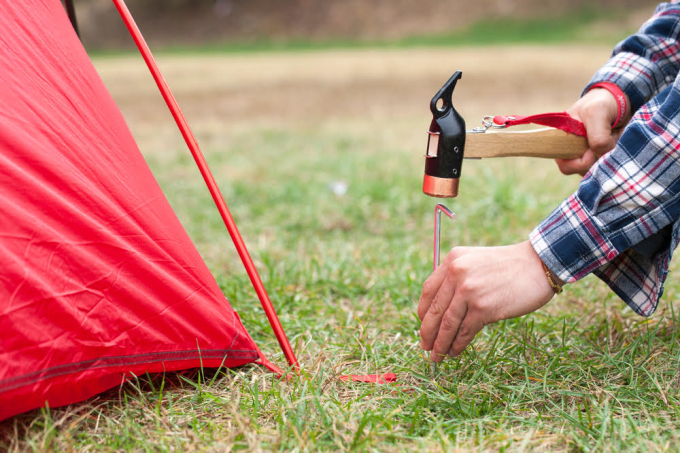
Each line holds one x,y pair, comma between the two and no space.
98,278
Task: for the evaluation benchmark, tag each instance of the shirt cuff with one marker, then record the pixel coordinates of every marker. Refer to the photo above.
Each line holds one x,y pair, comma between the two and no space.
636,279
570,242
635,75
572,245
639,279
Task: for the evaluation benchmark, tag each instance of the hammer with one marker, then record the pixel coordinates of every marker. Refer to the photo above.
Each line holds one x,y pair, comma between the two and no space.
448,143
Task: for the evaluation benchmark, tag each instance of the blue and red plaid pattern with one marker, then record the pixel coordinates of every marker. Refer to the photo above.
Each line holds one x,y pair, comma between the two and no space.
633,191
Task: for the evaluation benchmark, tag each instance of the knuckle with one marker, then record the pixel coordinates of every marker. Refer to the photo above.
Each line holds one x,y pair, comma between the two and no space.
475,305
464,330
466,288
480,306
456,253
595,106
453,255
599,142
589,108
456,268
435,308
448,322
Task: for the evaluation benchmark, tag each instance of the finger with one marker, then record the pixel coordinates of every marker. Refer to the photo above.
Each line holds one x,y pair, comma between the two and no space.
434,281
432,319
599,129
449,327
579,166
469,328
430,288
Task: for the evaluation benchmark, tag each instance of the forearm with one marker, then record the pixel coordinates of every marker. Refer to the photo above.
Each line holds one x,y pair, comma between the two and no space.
645,63
630,194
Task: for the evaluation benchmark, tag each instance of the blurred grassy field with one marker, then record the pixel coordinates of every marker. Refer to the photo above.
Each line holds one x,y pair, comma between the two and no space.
303,25
345,270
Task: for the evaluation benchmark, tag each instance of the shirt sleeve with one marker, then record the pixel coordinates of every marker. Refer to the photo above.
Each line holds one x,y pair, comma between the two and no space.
645,63
631,193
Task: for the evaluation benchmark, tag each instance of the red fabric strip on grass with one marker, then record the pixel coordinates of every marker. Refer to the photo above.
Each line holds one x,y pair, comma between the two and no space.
371,378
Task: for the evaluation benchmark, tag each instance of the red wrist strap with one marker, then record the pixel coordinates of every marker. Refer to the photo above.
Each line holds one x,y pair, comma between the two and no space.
559,120
618,95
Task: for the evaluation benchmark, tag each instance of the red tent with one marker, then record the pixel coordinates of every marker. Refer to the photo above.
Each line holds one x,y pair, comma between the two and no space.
99,280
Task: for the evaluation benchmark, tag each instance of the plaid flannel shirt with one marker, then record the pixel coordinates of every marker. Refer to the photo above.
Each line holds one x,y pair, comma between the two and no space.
632,194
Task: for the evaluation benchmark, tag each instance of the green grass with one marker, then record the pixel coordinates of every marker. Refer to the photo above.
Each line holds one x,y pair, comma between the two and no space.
576,26
344,272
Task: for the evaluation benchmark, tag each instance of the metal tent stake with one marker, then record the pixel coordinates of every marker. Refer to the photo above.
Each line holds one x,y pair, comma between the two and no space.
437,229
437,233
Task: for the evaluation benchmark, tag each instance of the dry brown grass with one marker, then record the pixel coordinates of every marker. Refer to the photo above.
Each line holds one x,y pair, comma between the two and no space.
374,88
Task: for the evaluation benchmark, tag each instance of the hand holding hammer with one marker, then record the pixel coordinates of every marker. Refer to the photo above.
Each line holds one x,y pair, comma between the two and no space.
449,143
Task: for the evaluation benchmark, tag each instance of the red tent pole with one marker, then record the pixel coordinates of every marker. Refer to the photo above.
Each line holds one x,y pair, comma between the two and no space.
210,181
71,11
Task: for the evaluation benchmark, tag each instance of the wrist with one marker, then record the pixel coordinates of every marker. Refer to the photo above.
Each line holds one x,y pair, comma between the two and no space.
548,279
538,271
622,108
553,280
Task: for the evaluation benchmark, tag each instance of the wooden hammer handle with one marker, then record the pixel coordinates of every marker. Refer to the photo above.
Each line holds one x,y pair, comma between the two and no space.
548,143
